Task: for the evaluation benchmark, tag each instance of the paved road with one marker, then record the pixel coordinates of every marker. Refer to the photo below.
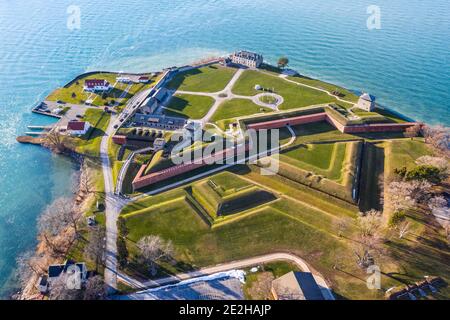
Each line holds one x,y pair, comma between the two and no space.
326,291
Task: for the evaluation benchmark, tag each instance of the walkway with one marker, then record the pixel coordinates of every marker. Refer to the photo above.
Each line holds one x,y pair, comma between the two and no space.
240,264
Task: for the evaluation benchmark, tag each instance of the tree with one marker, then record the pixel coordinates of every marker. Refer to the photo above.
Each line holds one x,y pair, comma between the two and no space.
397,218
54,141
95,249
122,252
413,131
441,163
152,249
74,95
57,216
122,226
27,264
424,172
438,137
283,62
60,291
95,289
369,240
403,229
437,203
407,194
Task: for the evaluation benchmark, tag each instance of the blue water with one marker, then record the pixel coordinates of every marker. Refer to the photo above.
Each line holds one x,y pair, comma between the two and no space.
406,64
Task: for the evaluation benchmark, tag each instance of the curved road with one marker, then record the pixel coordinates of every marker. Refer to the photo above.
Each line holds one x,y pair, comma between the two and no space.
240,264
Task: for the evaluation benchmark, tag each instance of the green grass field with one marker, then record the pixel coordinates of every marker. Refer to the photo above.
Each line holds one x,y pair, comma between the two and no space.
66,94
89,144
189,106
346,94
234,108
294,96
207,79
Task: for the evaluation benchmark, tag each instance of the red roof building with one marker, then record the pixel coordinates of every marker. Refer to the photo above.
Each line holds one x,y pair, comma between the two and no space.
78,127
96,85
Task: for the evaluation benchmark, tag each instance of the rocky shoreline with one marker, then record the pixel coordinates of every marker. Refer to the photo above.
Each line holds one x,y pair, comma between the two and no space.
42,255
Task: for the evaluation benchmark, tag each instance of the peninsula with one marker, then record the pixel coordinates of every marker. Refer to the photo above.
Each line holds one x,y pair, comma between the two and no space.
275,184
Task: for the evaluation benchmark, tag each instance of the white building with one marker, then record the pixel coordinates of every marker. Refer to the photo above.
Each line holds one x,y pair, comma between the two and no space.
366,102
92,85
77,128
247,58
123,79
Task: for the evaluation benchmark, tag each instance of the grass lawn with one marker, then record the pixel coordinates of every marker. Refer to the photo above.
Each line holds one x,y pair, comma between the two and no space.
372,175
346,94
189,106
206,79
89,144
234,108
403,153
323,159
80,97
294,96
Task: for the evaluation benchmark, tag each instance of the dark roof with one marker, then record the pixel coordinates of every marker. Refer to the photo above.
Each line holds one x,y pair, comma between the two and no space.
308,285
76,125
95,82
248,55
368,97
55,270
297,286
43,280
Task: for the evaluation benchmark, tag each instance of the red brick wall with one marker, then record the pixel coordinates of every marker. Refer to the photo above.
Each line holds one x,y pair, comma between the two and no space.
288,121
119,139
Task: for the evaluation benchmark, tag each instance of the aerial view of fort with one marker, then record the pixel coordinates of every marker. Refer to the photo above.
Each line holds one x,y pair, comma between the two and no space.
232,176
232,169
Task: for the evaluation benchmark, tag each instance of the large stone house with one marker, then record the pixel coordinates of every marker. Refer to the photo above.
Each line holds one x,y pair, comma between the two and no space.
247,58
95,85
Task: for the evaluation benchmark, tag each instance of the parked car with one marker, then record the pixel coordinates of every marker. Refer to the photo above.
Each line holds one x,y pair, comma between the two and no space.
60,101
79,116
116,126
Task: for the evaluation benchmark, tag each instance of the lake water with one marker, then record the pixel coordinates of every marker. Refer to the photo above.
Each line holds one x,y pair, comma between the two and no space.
406,64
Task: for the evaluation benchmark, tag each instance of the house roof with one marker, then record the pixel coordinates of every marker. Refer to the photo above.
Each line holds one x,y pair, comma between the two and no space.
144,78
90,83
368,97
55,270
76,125
297,286
248,55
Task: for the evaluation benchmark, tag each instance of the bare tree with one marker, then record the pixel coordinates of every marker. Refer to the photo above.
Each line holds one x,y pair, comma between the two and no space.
95,249
369,222
152,249
438,137
437,203
54,141
57,216
27,264
95,289
369,241
85,180
403,228
413,131
60,291
407,194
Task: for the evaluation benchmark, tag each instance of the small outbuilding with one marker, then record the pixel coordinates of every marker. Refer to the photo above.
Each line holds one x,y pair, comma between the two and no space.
78,128
296,286
366,102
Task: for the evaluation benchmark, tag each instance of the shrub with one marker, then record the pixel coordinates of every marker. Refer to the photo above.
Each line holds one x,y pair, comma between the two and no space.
396,218
424,172
122,252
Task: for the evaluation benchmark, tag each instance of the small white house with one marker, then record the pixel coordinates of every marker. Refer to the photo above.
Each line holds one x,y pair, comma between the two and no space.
366,102
77,128
68,269
143,79
123,79
94,85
